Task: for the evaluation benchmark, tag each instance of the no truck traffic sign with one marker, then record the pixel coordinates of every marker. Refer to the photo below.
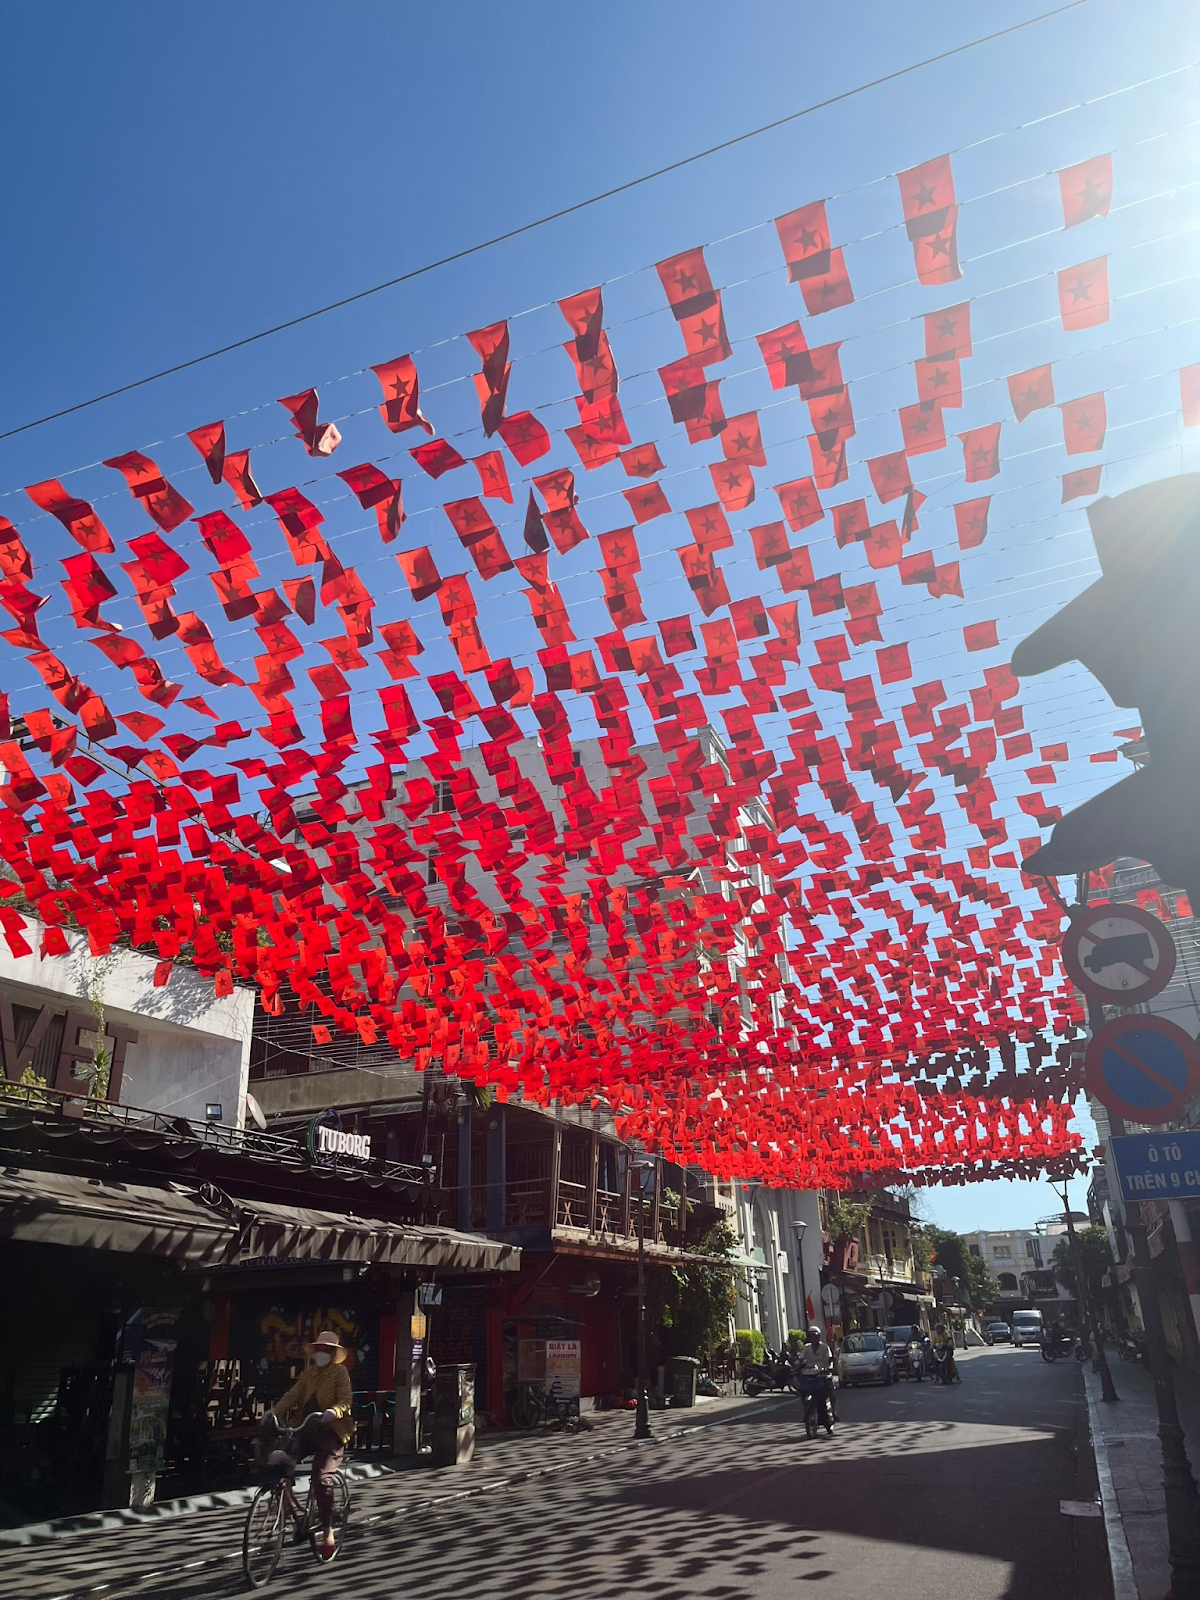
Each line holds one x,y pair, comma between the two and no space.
1118,954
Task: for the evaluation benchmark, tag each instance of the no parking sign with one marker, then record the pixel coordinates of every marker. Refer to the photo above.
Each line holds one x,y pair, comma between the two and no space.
1144,1068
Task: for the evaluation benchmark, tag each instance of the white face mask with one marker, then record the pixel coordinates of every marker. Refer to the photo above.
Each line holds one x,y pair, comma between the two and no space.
322,1357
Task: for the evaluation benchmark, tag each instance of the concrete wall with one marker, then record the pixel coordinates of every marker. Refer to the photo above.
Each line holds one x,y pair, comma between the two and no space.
193,1049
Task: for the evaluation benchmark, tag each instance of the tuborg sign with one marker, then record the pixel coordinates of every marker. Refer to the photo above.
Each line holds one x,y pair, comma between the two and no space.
326,1139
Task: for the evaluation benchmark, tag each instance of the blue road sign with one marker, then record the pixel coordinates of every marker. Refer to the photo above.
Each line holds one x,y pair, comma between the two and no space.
1142,1067
1158,1166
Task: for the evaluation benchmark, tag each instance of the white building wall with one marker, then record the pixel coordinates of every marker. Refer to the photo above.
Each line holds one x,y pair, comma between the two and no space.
193,1049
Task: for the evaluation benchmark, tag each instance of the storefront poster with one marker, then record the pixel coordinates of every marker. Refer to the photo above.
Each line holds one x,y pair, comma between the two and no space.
152,1374
564,1362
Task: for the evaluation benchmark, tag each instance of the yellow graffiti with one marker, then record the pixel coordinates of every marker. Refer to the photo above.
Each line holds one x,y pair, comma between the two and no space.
286,1337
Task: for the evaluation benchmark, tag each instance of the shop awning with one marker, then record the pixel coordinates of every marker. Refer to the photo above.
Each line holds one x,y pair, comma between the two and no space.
206,1228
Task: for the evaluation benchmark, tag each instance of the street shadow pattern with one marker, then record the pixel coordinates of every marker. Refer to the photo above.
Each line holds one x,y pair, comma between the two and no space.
908,1494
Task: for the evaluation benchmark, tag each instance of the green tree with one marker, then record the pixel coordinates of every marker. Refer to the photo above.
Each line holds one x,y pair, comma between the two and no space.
982,1288
844,1218
949,1251
1095,1252
691,1303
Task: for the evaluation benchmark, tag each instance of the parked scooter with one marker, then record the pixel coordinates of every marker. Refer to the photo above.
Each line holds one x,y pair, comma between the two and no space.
775,1371
1132,1348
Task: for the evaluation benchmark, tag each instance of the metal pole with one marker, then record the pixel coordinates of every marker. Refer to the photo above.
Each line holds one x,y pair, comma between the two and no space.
641,1429
1179,1487
1099,1359
798,1228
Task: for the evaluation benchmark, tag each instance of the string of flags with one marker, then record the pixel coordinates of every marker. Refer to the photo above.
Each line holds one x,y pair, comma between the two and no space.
764,952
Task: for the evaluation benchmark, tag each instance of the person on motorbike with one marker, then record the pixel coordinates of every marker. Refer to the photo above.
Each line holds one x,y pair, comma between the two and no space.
943,1355
322,1399
816,1365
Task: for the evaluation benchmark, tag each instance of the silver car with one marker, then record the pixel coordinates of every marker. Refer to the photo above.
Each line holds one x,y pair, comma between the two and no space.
866,1358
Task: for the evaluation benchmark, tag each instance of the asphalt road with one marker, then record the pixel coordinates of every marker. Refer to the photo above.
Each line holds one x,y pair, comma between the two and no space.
921,1493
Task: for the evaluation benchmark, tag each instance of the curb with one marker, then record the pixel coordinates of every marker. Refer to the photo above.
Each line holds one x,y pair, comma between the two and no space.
1119,1560
509,1480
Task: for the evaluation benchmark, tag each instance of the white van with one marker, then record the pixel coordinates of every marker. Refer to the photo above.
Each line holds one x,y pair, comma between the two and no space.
1026,1328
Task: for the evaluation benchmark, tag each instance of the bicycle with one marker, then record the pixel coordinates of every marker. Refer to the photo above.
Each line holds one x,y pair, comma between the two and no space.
276,1504
534,1408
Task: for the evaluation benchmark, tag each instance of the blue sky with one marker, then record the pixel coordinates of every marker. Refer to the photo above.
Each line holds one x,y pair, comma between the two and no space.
176,182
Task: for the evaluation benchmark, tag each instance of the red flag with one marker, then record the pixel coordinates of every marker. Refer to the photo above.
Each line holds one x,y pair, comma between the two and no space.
1084,424
1189,394
696,306
709,528
76,516
800,504
741,441
971,520
373,488
401,395
819,270
946,580
642,461
786,356
733,483
1031,391
980,636
320,438
15,560
525,437
770,544
493,479
422,574
851,523
948,332
828,460
437,457
1083,295
491,346
981,452
890,476
236,473
893,663
590,352
1084,481
1086,190
210,441
693,400
146,483
646,501
930,214
923,427
939,381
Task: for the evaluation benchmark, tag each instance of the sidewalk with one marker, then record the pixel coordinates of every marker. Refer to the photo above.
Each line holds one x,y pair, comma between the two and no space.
112,1552
1129,1463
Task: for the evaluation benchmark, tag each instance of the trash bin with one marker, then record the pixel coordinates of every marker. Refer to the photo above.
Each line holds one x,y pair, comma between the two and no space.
684,1371
453,1441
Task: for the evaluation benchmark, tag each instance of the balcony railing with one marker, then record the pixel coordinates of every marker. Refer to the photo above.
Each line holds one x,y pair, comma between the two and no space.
611,1216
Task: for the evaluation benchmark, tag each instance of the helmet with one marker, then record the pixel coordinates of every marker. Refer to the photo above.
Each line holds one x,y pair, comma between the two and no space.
814,1331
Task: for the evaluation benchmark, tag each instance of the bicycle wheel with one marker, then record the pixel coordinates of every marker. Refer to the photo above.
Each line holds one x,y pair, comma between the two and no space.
526,1413
262,1540
341,1521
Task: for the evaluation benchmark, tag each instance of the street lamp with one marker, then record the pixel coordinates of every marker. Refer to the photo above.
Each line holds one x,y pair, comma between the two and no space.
641,1427
798,1228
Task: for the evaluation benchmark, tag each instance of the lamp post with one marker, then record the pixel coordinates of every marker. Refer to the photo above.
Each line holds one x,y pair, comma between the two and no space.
799,1229
1086,1306
641,1427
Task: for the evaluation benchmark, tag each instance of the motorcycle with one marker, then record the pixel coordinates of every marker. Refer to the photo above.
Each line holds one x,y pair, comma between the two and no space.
916,1361
1065,1346
774,1372
818,1412
943,1365
1132,1348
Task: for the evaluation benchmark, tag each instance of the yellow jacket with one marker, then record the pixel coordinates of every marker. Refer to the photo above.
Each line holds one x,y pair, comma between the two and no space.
319,1389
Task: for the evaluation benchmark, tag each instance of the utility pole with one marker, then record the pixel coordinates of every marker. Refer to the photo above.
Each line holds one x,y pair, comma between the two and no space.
1099,1358
1179,1486
798,1228
641,1427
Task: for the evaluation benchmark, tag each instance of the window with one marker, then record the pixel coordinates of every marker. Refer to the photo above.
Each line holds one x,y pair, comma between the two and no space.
974,1249
1033,1250
1007,1280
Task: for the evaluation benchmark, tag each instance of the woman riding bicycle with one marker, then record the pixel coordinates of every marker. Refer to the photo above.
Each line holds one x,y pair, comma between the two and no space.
322,1400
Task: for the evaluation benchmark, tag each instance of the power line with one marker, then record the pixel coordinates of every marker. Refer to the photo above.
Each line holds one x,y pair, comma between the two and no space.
552,216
